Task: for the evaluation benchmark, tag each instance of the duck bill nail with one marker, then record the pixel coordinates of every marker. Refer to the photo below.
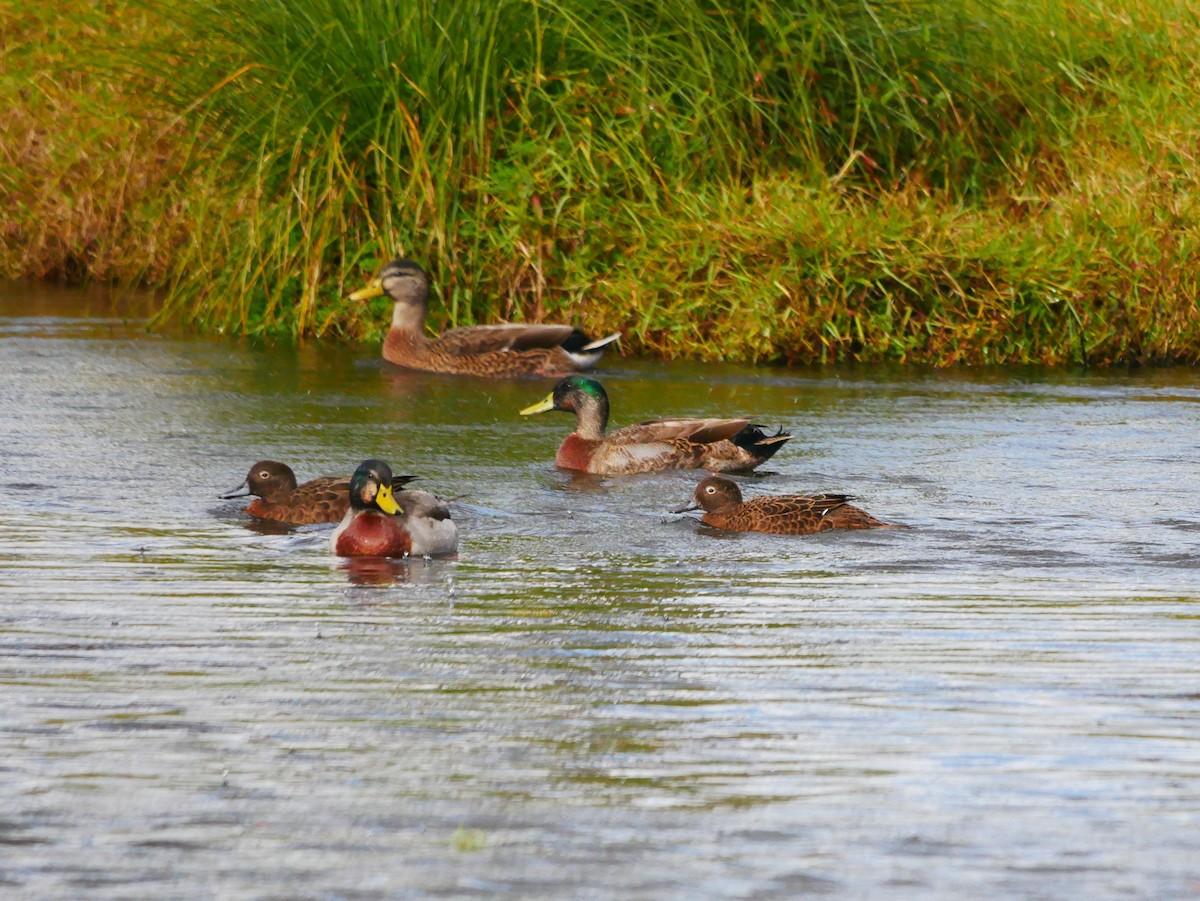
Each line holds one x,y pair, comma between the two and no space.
375,289
541,406
242,490
386,502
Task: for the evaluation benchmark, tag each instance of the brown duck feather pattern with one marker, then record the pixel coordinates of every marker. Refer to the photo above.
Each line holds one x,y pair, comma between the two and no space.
482,339
659,444
437,355
793,514
323,499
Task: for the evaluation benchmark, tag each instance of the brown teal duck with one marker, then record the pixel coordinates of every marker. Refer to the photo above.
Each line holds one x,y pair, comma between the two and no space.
782,514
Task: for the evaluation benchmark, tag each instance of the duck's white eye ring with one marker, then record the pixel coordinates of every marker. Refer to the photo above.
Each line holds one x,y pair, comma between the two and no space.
263,474
711,489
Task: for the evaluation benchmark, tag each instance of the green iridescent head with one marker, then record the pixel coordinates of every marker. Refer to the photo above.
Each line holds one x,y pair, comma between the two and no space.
371,487
571,395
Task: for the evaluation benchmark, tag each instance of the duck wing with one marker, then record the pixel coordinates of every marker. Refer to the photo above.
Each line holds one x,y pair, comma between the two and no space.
789,507
323,488
482,339
323,499
426,518
796,514
422,505
669,431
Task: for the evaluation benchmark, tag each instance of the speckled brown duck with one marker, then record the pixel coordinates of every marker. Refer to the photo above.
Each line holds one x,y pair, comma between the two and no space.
506,350
721,445
782,514
279,498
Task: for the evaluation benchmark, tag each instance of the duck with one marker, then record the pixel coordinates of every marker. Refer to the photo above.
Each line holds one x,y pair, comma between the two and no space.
781,514
381,522
280,499
720,445
505,350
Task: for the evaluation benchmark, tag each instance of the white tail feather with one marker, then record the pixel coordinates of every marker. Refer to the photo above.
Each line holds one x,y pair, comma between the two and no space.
601,343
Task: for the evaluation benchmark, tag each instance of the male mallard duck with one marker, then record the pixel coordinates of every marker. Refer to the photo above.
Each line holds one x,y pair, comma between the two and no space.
501,351
715,444
783,514
279,498
382,524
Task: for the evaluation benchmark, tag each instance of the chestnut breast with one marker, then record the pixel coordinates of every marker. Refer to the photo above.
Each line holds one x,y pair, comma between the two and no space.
575,452
372,534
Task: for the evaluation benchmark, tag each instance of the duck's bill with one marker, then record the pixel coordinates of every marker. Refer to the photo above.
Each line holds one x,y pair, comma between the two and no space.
687,509
242,490
375,289
542,406
386,502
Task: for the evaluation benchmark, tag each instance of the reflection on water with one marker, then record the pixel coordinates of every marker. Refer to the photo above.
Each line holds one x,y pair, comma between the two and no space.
597,698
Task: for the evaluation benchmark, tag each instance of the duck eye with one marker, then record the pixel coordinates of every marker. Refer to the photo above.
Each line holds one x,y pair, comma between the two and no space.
711,490
263,474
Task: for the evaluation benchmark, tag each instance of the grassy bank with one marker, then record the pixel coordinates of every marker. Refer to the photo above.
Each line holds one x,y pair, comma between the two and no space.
923,181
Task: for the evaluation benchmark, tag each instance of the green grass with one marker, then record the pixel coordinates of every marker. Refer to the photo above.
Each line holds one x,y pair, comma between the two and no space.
930,181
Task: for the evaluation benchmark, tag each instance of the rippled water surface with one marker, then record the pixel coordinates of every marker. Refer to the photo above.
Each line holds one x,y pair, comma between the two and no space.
597,698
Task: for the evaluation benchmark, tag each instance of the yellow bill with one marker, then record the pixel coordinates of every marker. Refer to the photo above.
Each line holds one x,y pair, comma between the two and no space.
547,403
375,289
385,501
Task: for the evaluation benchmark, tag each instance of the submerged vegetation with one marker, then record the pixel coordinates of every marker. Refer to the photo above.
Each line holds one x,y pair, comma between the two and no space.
790,180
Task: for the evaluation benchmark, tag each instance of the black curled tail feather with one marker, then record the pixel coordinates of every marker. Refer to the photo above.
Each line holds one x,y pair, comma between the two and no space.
755,440
577,342
580,342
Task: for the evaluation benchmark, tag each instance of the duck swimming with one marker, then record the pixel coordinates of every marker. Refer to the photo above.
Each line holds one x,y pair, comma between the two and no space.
279,498
384,523
782,514
496,351
720,445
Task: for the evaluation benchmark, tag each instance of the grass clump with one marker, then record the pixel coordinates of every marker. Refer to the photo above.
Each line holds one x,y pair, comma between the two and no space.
91,178
775,180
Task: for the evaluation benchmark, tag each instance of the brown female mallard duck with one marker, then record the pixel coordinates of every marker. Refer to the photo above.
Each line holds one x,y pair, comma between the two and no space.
498,351
384,523
783,514
716,444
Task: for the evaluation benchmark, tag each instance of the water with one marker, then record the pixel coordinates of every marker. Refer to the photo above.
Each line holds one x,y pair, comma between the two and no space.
597,699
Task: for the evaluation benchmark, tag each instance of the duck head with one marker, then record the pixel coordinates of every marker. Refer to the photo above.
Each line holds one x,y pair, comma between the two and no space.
712,494
268,479
407,284
371,488
583,396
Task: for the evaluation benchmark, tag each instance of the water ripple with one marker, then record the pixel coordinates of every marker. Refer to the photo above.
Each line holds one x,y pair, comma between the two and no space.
596,698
